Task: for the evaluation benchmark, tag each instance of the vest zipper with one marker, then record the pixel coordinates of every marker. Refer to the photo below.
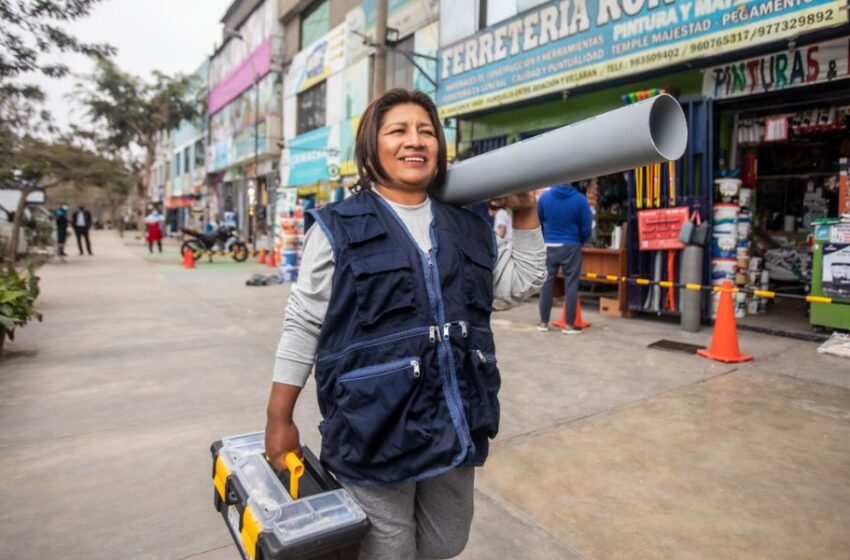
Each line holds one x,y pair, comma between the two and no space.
452,391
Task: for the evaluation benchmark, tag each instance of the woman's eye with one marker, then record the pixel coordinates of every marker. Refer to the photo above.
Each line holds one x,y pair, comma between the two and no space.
427,131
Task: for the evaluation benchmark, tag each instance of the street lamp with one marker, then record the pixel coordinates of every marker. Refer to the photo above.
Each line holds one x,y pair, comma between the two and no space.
232,33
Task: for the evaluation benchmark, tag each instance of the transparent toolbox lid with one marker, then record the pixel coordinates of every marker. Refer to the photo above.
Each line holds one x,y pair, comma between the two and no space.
291,521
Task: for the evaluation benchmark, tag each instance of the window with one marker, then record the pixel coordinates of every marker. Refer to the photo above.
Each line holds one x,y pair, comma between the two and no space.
199,153
494,11
311,108
186,159
399,68
458,19
315,22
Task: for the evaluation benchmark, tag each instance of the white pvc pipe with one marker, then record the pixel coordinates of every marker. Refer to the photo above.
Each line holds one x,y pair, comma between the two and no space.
647,132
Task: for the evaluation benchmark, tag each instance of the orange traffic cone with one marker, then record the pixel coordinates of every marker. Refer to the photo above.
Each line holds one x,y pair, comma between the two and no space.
188,259
724,341
262,259
270,262
579,322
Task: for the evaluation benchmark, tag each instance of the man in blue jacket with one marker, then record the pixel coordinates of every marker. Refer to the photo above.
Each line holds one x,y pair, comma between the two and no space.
567,223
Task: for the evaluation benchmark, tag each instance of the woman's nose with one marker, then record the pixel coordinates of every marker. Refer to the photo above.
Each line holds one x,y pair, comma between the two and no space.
414,140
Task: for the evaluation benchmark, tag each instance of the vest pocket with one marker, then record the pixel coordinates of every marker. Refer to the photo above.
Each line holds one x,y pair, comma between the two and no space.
384,285
477,278
382,412
484,382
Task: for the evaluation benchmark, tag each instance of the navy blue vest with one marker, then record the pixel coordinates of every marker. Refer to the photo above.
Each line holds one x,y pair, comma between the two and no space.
406,370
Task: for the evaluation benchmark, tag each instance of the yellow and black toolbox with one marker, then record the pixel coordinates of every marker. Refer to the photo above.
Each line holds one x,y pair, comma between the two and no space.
314,519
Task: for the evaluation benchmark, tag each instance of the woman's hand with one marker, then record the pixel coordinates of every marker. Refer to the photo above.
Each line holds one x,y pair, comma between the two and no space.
281,438
281,432
524,207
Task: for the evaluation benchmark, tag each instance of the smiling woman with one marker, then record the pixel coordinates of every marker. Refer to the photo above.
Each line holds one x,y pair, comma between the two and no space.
392,306
400,144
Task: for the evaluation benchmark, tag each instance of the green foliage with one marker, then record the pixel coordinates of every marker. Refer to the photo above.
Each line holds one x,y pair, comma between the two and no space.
31,32
17,299
133,111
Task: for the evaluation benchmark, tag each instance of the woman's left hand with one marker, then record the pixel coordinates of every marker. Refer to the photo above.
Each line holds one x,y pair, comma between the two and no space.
517,202
524,207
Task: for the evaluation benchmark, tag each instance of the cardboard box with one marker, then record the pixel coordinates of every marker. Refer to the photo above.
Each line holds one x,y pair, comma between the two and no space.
610,307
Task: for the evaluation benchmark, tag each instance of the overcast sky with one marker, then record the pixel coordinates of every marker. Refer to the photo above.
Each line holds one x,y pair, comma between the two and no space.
167,35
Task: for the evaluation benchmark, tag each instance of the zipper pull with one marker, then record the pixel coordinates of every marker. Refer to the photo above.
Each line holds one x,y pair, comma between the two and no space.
447,331
463,331
482,357
431,336
416,370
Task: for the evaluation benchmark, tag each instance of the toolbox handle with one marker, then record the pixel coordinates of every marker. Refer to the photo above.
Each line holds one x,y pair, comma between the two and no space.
296,469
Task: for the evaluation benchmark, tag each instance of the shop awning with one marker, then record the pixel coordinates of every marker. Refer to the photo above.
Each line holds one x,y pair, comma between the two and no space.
180,201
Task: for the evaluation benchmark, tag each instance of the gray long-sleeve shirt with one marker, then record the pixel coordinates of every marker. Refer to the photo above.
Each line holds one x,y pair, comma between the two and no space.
519,272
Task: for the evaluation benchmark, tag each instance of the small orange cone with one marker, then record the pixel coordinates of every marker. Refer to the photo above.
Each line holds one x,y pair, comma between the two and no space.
724,341
188,259
270,262
262,259
579,322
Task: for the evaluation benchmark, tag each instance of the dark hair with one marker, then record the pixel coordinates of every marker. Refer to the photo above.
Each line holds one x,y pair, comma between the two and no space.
366,145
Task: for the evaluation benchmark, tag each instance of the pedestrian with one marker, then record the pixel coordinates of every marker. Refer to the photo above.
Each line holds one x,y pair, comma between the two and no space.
567,223
153,225
501,224
392,305
82,225
61,230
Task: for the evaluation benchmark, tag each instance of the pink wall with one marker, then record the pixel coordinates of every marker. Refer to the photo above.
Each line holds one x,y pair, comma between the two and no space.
240,78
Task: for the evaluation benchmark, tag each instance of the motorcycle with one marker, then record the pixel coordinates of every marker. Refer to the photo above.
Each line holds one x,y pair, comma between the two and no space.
224,239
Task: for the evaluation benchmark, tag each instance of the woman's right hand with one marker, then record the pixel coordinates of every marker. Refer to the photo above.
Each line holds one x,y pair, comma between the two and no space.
281,438
281,432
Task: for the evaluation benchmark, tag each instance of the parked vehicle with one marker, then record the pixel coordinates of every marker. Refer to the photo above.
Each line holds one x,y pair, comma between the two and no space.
222,239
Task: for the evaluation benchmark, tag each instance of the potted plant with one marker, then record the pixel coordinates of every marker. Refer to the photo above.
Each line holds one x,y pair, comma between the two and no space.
17,301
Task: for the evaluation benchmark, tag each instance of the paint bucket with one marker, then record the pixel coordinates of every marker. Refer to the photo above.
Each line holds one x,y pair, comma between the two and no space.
289,273
753,277
722,269
739,302
725,219
723,246
745,197
745,224
742,252
728,187
289,258
743,263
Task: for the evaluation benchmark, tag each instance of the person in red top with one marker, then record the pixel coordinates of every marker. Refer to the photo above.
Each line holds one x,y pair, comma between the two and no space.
153,222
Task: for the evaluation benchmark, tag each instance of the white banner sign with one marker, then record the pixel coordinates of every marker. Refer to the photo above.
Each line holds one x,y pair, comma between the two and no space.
803,66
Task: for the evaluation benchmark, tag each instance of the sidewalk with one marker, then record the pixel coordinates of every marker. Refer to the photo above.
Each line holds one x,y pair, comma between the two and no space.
607,449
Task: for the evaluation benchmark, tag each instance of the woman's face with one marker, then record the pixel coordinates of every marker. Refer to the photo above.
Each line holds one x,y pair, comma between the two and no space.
407,147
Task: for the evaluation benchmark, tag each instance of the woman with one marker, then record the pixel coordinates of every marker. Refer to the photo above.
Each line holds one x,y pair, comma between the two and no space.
154,233
393,305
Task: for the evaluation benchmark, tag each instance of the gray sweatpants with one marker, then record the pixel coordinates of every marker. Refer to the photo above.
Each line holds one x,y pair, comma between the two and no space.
426,519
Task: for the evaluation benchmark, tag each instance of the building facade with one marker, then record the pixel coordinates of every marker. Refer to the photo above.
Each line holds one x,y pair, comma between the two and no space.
188,204
244,109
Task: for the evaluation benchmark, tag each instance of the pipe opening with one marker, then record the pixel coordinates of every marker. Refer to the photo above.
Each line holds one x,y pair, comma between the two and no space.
668,128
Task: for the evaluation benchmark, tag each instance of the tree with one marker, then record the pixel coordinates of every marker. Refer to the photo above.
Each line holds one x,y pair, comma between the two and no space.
44,164
133,112
30,32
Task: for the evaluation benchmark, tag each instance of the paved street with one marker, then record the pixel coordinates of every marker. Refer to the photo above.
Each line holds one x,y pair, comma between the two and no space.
607,449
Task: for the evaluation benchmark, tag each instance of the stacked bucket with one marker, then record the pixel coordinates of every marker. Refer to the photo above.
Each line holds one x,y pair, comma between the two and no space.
730,241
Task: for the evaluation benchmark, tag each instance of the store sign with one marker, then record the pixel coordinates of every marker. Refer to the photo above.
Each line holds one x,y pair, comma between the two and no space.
306,158
564,44
315,63
232,129
803,66
658,229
